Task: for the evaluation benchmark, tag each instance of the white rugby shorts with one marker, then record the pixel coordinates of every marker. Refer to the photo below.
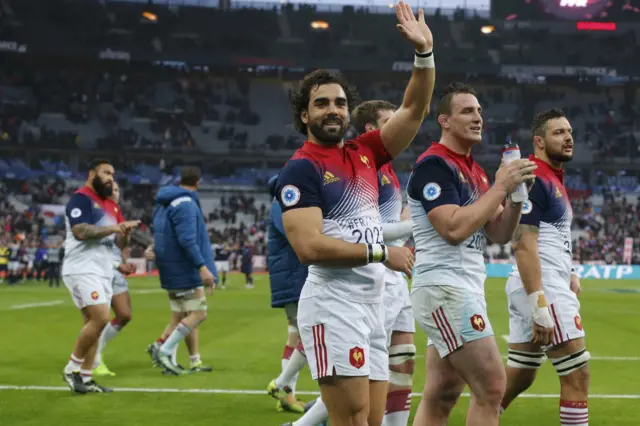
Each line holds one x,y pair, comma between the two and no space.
119,283
222,265
398,315
89,289
14,266
563,305
343,336
450,316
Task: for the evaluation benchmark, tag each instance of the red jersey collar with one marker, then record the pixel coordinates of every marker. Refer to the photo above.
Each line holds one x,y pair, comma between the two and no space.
542,165
468,159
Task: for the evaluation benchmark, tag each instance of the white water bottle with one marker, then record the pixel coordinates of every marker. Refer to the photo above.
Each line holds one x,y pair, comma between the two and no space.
511,152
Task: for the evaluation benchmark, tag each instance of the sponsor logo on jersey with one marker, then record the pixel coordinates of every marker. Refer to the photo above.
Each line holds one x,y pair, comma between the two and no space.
558,193
385,180
356,357
431,191
578,322
477,322
330,178
290,195
365,160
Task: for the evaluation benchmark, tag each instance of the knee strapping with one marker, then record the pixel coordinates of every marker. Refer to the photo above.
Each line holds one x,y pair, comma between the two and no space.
399,354
525,360
570,363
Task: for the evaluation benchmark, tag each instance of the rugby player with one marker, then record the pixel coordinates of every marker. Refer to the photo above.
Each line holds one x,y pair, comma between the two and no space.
120,301
454,210
328,192
544,312
399,324
94,224
221,255
286,278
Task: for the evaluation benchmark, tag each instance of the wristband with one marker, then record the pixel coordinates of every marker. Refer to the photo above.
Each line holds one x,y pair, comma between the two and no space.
377,253
424,60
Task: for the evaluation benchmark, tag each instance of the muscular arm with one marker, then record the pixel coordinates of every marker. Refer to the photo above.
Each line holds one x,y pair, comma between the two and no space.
303,227
122,240
85,231
501,228
525,246
457,223
402,127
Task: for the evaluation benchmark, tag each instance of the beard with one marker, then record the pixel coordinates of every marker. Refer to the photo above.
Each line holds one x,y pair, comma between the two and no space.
102,189
559,157
328,137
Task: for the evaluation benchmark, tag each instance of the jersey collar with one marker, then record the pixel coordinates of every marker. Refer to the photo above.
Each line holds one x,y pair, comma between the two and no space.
559,173
467,159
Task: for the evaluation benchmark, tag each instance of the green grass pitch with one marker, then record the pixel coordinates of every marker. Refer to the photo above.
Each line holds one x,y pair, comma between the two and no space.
243,339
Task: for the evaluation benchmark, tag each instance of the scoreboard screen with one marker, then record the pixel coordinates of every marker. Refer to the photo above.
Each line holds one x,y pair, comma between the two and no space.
566,10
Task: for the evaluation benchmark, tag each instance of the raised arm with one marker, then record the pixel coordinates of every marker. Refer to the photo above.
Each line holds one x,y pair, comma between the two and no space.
403,126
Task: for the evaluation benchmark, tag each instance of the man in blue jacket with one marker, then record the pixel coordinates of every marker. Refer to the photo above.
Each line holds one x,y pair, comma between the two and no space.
287,276
185,264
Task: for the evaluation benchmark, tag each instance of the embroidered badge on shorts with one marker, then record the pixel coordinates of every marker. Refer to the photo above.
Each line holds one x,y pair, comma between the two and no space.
356,357
477,322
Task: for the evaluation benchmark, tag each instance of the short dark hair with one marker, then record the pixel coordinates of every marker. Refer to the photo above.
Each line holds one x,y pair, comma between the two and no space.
367,112
455,88
301,96
539,125
97,163
190,175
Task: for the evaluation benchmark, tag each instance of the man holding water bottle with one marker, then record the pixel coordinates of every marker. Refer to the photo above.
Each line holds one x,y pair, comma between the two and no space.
544,311
454,209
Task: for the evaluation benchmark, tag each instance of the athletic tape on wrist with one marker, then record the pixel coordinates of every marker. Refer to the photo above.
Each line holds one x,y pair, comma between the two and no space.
377,253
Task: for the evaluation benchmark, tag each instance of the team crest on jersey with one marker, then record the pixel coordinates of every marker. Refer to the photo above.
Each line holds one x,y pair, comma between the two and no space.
558,193
477,322
290,195
578,322
365,160
431,191
75,213
330,178
356,357
385,180
527,206
94,295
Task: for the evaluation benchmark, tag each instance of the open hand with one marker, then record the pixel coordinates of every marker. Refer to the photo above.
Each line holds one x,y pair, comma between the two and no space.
414,30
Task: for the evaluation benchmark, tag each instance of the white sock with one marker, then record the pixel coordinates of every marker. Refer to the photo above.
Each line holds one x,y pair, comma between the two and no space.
73,365
108,333
175,338
174,355
316,414
86,375
194,359
290,373
574,413
398,418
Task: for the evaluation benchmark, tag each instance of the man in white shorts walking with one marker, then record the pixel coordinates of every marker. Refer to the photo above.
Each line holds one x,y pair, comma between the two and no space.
94,224
120,301
454,210
544,312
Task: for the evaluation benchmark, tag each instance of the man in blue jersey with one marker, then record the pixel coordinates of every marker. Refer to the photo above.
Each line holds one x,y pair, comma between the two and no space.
185,262
286,277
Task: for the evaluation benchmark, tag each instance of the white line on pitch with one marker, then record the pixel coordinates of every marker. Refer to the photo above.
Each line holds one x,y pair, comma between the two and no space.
37,305
148,291
263,392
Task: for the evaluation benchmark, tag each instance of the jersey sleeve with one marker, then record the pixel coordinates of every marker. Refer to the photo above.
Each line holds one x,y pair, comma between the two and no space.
533,208
373,142
79,210
434,184
299,185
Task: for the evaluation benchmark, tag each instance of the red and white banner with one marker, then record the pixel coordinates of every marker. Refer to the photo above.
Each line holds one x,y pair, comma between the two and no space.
628,250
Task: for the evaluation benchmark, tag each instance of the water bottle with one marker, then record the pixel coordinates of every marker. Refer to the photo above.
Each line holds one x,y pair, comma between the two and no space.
511,152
